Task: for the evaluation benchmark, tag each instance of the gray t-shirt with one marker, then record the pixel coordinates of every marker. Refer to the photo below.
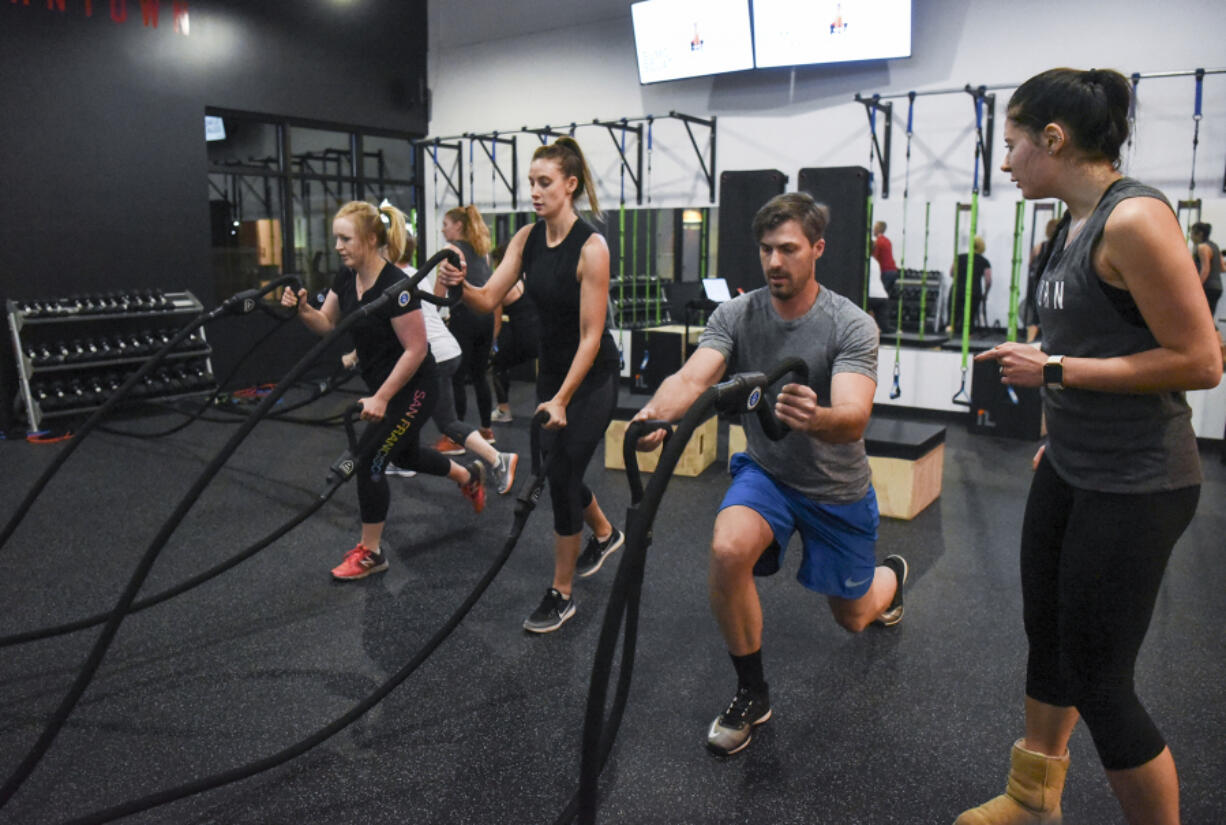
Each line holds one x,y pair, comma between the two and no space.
834,336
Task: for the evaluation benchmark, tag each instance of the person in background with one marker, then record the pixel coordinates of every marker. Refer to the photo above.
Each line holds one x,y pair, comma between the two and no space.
878,297
564,263
447,356
1208,260
394,358
515,342
981,282
1038,256
1125,334
883,252
465,229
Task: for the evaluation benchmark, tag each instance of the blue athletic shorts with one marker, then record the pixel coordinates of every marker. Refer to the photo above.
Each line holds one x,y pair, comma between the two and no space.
839,540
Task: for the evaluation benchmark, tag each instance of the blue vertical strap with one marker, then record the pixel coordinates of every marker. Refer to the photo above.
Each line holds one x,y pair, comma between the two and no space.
472,184
650,121
923,317
435,152
1196,118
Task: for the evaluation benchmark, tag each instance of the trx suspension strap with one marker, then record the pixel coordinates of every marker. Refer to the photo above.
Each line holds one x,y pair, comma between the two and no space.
896,389
1132,113
962,397
1019,226
923,319
1193,203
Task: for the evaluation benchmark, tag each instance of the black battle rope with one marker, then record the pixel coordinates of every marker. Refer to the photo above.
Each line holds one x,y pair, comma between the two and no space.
524,505
238,304
742,393
340,472
402,291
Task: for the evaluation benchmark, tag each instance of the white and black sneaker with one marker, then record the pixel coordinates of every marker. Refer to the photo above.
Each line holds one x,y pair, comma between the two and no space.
597,551
554,611
893,613
733,729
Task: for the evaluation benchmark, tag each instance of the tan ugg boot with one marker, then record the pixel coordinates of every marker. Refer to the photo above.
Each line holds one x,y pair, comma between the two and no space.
1032,796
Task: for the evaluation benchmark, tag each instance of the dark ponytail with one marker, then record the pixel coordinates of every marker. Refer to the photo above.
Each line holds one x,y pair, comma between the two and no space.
566,151
1092,105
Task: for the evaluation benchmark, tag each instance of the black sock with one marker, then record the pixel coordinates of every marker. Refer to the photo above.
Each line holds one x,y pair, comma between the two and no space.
749,671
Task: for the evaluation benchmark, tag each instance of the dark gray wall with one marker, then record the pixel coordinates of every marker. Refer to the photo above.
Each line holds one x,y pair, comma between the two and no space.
102,137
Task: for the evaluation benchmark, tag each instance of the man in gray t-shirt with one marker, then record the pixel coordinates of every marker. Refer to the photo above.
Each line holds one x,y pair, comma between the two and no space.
816,480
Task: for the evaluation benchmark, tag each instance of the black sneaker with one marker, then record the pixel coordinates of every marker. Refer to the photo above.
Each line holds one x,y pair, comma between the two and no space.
893,613
554,611
596,552
732,729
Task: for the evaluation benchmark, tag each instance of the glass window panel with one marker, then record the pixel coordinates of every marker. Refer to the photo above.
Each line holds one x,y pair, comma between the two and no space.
387,158
247,142
315,204
320,152
246,220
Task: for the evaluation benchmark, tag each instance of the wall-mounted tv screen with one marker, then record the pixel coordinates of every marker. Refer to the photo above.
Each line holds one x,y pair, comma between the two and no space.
800,32
214,128
689,38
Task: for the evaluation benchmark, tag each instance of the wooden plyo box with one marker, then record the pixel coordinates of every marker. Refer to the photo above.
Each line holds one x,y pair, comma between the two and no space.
907,460
699,453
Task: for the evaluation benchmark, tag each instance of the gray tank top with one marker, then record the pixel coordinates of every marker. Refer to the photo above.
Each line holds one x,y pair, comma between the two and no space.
1111,442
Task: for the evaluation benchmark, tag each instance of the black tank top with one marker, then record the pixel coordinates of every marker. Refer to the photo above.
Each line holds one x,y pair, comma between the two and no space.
1213,284
1107,441
551,283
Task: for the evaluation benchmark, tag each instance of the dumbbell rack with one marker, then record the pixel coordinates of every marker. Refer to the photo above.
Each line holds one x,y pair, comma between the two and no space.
913,285
72,353
635,300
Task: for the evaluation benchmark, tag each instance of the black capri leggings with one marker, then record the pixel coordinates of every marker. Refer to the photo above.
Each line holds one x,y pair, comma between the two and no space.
1092,564
395,440
587,417
475,334
517,343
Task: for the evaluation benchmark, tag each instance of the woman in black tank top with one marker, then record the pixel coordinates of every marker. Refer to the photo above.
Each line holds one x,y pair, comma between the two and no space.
565,264
1208,260
1125,333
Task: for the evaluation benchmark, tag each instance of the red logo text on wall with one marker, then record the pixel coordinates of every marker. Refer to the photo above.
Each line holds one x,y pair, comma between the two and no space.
150,11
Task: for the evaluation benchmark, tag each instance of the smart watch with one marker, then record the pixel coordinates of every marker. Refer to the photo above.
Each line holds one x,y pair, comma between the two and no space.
1053,372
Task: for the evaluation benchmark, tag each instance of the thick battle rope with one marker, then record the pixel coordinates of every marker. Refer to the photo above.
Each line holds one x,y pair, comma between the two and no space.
239,304
340,472
525,503
401,291
742,393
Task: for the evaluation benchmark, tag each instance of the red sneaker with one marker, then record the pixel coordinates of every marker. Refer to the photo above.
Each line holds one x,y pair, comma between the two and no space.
446,446
487,433
358,564
474,488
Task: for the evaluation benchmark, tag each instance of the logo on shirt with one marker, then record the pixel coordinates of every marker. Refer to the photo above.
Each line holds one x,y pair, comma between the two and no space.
404,299
1050,294
755,396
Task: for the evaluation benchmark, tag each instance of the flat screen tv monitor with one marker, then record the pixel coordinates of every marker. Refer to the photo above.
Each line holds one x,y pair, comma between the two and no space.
674,39
803,32
214,128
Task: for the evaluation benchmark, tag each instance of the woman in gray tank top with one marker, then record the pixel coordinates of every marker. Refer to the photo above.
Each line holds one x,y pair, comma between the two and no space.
1125,332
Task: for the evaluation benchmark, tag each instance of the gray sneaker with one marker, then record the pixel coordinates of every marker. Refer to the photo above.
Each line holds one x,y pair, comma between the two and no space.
733,729
554,611
893,613
503,473
596,552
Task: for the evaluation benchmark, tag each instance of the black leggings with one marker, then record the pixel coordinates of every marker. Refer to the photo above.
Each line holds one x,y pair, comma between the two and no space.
475,334
395,440
517,343
1092,564
587,417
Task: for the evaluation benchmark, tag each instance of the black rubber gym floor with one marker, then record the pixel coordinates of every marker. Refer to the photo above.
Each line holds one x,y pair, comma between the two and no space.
907,725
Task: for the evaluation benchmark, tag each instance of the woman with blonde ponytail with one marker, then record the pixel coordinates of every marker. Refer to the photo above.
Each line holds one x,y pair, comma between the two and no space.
565,266
396,365
465,229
